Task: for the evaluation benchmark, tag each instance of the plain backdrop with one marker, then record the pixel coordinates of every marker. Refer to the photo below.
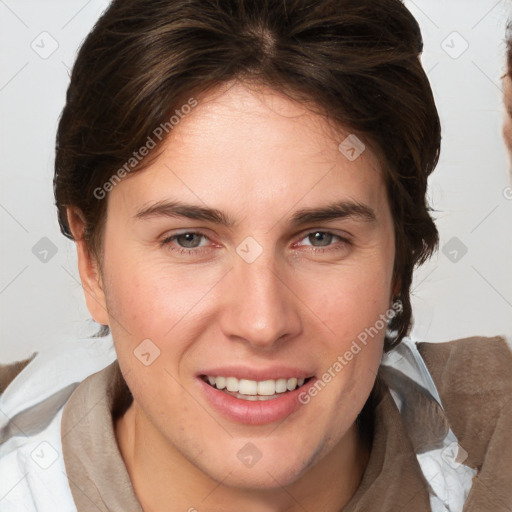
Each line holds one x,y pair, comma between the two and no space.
465,290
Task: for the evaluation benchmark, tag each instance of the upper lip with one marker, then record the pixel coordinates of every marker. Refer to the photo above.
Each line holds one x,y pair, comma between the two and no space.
257,374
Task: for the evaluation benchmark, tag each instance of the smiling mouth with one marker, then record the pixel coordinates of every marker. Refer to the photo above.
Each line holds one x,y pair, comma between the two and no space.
252,390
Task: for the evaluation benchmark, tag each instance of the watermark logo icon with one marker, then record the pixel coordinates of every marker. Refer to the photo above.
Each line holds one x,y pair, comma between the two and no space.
45,45
454,45
455,249
44,250
249,455
146,352
249,250
454,455
44,455
352,147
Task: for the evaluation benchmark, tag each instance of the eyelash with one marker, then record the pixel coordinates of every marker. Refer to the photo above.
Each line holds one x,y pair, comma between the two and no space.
198,250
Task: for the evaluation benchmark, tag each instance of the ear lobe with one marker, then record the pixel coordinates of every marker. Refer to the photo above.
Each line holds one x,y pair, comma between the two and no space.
89,269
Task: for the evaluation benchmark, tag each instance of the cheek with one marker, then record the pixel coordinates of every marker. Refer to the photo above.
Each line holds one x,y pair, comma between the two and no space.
357,313
355,299
353,313
149,297
356,307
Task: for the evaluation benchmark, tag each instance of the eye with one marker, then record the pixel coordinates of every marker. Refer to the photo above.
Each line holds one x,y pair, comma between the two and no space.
323,239
187,242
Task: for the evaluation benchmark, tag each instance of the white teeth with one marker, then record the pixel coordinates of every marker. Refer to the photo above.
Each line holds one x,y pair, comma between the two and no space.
281,385
267,387
291,384
257,389
232,384
248,387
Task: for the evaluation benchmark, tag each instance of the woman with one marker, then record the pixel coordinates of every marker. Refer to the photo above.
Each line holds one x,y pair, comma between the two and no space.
245,182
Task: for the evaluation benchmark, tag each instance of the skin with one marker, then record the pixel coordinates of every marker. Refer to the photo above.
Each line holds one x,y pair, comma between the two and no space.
507,125
259,157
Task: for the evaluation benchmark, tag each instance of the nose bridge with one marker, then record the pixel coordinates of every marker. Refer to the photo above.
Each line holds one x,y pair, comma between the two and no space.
261,308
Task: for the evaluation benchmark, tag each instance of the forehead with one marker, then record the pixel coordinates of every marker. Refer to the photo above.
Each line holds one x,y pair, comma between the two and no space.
248,120
255,147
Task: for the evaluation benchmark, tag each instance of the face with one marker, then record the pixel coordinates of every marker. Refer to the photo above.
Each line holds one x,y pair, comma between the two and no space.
213,255
507,126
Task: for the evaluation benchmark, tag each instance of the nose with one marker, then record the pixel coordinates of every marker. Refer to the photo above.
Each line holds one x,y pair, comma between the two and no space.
259,308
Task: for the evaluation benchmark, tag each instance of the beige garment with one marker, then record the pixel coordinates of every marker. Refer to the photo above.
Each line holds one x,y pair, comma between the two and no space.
474,379
9,371
97,475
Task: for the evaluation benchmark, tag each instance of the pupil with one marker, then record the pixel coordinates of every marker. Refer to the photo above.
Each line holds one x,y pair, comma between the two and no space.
189,240
320,236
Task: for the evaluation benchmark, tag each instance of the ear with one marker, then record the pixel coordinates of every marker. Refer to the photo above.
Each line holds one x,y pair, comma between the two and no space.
89,270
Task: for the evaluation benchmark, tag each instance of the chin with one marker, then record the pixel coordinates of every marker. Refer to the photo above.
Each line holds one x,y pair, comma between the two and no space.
269,477
269,472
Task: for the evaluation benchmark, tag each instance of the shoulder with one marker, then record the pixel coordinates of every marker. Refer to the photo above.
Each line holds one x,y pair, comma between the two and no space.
474,380
474,366
33,472
8,372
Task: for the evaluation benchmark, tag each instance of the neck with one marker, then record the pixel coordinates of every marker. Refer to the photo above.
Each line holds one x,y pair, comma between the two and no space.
161,475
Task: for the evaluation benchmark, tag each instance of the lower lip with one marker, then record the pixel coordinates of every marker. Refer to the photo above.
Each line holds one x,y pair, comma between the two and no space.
260,412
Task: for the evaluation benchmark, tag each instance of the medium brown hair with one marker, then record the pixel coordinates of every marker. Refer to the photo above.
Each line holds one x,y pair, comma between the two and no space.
356,62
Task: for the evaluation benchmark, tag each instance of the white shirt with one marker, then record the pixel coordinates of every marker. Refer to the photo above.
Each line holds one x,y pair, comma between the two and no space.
33,476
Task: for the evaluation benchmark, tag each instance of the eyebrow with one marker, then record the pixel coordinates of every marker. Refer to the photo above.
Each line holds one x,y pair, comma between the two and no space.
333,211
